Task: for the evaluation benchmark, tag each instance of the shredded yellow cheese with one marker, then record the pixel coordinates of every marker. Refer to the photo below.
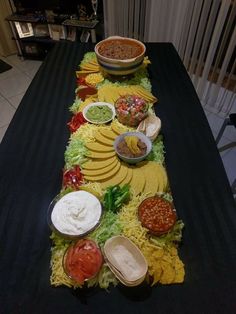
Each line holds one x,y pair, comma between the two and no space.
94,78
58,276
93,187
87,131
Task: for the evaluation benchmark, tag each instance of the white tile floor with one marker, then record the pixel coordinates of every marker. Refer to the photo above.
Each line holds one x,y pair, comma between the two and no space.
14,83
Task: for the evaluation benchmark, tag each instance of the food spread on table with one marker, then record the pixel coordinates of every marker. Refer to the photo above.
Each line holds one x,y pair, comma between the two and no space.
122,213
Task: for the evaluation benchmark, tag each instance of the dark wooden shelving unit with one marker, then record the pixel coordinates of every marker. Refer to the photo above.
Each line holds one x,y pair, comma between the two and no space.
32,44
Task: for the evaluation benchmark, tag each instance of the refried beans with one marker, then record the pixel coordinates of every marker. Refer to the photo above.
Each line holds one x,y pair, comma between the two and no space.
120,49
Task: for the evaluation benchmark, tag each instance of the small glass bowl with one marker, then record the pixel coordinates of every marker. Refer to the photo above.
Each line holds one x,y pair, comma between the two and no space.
159,233
64,261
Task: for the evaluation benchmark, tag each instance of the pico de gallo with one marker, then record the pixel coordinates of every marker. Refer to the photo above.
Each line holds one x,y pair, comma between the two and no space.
131,110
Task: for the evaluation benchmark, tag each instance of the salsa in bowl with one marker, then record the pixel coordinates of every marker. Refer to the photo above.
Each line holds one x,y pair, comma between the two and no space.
131,110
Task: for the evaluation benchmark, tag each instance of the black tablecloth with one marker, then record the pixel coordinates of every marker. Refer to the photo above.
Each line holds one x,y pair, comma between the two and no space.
31,162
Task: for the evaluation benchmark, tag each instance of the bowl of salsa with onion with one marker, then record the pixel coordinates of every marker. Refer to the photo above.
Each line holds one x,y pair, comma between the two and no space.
82,260
131,110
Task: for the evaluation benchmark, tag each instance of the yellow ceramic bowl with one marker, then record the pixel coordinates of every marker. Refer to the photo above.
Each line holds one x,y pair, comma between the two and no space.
120,55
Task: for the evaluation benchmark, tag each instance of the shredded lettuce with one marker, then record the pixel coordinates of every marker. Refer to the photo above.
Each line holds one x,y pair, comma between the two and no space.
171,238
59,242
66,191
139,78
74,108
75,153
167,196
88,57
104,278
157,153
109,227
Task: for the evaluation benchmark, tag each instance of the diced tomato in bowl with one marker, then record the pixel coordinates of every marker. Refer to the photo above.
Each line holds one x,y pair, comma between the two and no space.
131,110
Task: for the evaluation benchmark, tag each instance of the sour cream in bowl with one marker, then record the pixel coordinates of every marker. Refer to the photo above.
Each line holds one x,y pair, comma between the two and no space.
75,214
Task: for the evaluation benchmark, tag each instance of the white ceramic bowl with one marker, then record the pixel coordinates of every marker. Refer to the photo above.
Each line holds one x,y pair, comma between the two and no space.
99,104
118,66
142,137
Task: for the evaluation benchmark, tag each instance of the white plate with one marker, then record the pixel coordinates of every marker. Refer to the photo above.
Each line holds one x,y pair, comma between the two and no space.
99,104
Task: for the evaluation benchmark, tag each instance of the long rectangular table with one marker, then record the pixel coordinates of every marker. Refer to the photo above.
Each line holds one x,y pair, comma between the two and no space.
31,162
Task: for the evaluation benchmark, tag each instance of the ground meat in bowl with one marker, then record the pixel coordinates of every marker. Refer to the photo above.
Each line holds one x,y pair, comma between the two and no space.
124,150
120,50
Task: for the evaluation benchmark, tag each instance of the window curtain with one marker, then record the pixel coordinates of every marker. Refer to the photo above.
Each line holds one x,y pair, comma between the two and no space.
202,31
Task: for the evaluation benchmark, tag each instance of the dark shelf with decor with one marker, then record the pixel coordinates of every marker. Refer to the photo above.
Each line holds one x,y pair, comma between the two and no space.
36,30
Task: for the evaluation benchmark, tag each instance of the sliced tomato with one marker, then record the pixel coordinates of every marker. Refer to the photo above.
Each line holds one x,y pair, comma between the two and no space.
69,257
89,262
78,276
89,266
83,260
